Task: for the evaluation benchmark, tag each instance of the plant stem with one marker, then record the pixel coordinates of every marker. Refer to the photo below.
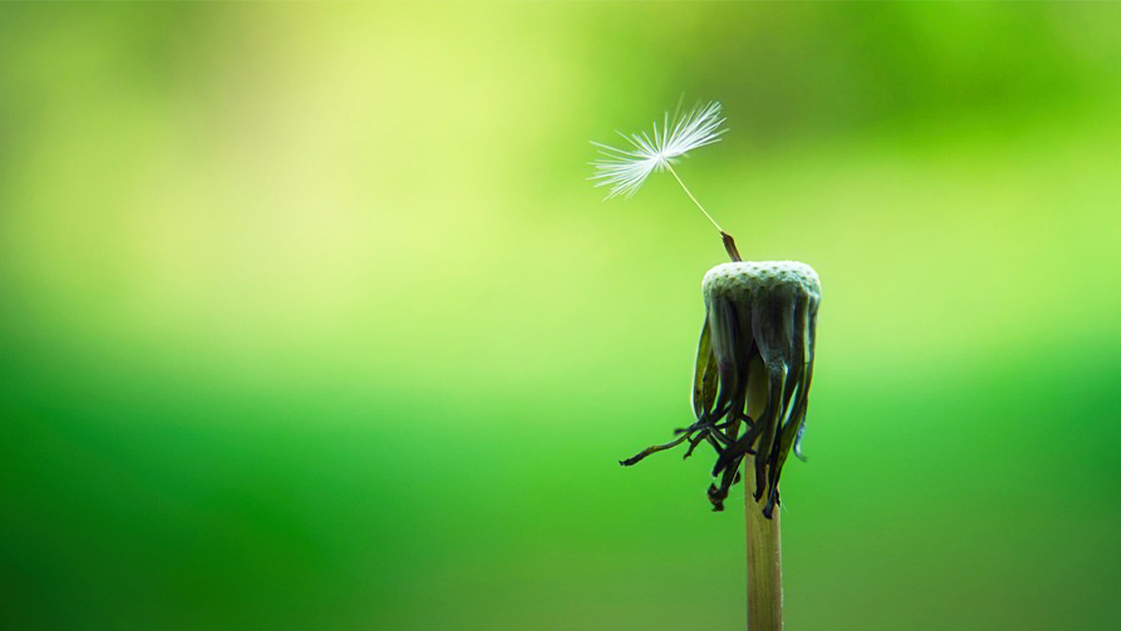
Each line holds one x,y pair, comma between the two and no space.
764,560
764,548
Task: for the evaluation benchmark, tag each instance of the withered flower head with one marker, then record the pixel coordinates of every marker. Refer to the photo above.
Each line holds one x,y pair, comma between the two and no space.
753,371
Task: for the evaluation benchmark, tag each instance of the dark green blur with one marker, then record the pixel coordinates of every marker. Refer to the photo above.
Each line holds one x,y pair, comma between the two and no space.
309,319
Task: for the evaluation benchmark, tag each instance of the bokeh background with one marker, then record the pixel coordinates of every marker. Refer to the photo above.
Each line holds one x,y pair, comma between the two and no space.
310,320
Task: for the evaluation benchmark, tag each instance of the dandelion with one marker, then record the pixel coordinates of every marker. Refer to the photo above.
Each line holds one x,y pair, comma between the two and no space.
752,376
761,325
751,380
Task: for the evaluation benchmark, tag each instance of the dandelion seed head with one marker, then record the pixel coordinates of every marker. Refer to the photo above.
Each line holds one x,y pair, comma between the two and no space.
625,169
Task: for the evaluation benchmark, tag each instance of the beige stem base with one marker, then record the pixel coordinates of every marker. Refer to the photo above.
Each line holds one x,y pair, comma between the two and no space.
764,560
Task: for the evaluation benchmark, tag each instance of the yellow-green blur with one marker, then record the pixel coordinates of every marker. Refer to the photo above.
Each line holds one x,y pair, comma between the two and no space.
310,320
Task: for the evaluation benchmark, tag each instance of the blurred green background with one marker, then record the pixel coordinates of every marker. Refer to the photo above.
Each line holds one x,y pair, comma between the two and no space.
310,320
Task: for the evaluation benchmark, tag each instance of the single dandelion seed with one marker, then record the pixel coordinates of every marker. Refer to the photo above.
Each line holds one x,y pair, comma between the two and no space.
625,169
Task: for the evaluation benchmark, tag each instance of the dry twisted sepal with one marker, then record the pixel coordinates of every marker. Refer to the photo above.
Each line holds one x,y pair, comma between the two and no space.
753,372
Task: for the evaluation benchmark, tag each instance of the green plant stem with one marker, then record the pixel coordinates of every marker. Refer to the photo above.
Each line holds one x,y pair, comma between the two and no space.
764,560
764,545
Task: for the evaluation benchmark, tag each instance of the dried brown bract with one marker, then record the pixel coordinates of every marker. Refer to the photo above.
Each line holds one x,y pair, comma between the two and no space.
753,372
